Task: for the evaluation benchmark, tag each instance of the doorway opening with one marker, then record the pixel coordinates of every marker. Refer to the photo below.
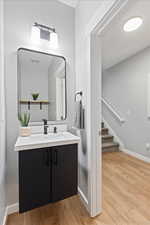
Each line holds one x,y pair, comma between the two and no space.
125,70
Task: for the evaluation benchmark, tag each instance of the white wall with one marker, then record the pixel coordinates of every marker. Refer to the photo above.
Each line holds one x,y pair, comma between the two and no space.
34,79
56,90
56,70
88,15
52,92
125,86
2,121
19,17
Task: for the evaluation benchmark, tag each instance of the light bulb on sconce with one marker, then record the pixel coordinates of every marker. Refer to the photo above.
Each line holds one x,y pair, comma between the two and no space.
35,36
42,32
54,40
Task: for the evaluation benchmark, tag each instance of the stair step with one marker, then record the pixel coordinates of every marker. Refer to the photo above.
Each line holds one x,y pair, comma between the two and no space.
110,147
104,131
107,138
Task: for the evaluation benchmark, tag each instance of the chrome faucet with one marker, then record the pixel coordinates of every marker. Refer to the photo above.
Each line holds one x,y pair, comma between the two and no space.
45,126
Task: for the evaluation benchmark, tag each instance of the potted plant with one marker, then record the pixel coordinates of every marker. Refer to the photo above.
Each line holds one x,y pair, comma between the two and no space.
24,119
35,96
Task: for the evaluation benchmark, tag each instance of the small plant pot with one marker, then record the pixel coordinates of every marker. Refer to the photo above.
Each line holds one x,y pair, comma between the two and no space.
35,96
25,131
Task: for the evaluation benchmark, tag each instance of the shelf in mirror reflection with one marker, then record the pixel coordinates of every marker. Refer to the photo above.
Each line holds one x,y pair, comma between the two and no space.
32,102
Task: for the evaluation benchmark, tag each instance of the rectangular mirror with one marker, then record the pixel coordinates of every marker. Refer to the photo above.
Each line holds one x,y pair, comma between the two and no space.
41,85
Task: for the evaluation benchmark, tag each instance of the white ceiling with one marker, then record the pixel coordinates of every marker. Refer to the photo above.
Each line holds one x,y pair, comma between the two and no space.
118,45
72,3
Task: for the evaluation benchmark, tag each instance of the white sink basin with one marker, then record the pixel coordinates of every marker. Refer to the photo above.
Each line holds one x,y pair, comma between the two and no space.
42,137
41,141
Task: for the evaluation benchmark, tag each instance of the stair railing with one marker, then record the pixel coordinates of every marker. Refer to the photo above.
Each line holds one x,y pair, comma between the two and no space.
113,111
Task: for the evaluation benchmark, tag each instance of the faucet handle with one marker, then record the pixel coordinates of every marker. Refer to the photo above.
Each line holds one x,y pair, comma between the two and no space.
45,121
55,130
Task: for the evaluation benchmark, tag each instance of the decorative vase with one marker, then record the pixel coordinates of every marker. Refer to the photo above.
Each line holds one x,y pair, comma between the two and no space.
25,131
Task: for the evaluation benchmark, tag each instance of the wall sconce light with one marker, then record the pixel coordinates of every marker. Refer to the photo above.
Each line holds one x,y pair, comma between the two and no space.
35,34
40,31
54,40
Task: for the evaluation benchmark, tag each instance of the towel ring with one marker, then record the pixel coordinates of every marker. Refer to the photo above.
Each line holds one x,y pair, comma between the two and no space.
78,93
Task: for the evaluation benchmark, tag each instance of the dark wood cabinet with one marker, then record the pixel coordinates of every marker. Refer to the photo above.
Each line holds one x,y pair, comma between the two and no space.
64,172
47,175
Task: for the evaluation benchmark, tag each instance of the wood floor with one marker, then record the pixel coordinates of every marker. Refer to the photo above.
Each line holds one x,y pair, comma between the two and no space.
126,198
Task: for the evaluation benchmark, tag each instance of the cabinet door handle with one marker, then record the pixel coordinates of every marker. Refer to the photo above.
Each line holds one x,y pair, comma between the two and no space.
55,157
47,158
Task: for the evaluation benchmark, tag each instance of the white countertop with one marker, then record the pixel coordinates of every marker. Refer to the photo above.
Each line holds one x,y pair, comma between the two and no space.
36,141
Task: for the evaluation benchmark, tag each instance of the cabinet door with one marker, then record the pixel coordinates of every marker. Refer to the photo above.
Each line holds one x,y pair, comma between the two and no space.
34,178
64,172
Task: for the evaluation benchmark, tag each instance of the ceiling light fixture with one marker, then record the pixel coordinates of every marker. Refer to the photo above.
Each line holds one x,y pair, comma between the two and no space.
133,24
40,31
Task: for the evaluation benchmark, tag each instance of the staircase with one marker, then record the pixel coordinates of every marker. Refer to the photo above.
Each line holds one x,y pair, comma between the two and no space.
108,144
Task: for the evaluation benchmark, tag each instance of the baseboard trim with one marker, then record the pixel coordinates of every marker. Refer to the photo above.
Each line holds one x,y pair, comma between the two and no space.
12,208
136,155
83,198
5,217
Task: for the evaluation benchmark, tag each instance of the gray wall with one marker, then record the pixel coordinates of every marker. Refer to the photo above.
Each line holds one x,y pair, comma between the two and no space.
19,17
2,122
125,87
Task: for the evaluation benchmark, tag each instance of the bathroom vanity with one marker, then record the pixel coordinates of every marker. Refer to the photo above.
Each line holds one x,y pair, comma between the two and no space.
48,168
48,162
